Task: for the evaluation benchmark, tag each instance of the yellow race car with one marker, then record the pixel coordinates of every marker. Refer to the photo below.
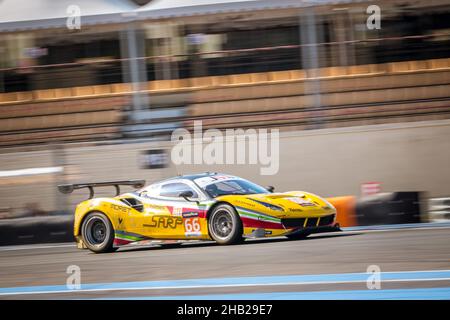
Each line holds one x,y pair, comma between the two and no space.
206,206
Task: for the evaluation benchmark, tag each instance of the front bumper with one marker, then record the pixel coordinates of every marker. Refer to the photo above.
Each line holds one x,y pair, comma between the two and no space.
330,228
309,222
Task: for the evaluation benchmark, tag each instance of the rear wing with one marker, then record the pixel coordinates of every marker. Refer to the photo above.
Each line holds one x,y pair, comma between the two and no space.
69,188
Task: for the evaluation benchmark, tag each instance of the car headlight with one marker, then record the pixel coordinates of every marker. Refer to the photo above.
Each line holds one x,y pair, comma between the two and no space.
329,204
276,208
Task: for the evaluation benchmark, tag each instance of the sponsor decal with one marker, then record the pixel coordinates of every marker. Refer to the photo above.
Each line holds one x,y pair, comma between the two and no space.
268,205
120,208
190,214
164,222
177,211
260,232
302,202
155,206
192,234
245,203
180,211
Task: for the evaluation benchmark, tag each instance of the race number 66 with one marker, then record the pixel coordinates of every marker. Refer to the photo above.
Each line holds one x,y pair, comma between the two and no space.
192,225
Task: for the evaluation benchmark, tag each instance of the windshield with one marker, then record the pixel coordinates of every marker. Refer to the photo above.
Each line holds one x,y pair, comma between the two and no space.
232,186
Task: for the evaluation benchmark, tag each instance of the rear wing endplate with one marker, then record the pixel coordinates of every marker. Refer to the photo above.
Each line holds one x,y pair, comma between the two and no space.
69,188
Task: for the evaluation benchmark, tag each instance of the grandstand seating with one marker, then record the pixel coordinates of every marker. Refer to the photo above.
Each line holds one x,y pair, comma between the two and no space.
363,94
61,120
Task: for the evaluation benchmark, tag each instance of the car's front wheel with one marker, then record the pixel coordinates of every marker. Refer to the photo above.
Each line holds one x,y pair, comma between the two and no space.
224,225
98,233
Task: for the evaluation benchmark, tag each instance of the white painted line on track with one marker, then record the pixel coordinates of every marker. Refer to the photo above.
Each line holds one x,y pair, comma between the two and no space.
37,246
382,294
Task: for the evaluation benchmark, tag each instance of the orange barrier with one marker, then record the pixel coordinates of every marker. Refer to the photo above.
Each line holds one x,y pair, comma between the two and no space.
345,207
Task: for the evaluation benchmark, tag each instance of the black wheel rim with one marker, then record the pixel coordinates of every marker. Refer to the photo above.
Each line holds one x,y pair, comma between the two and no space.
222,224
95,231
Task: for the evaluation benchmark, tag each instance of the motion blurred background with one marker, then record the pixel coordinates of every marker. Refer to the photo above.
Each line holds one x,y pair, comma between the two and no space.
360,110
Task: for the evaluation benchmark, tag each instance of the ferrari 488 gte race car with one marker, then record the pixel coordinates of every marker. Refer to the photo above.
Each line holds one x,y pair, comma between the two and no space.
206,206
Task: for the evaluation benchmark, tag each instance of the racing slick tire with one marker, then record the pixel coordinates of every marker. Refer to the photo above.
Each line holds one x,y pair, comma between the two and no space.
298,236
224,225
98,233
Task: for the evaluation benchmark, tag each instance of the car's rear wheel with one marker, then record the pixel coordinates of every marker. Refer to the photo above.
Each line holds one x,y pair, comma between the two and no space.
98,233
298,236
224,225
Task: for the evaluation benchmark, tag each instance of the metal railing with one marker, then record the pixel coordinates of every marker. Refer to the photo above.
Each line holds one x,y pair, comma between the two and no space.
224,62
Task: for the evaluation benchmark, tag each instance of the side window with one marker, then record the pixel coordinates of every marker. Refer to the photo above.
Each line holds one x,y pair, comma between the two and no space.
174,189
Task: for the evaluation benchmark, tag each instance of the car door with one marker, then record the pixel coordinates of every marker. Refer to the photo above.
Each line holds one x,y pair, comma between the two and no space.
163,217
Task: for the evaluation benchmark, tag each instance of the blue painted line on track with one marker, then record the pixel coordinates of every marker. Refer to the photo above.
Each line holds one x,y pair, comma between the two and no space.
388,294
431,275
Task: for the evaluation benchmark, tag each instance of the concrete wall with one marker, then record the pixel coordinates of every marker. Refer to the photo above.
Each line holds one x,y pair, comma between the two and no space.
331,162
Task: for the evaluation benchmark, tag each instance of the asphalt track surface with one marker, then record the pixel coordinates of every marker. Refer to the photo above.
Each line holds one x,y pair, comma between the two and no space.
414,264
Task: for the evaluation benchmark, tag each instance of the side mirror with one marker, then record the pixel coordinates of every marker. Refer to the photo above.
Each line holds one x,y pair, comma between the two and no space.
186,195
270,189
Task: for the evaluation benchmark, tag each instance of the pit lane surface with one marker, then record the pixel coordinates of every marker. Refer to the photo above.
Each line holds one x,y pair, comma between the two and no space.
257,269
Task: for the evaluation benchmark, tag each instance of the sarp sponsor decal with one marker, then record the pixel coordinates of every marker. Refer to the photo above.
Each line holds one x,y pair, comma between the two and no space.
164,222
